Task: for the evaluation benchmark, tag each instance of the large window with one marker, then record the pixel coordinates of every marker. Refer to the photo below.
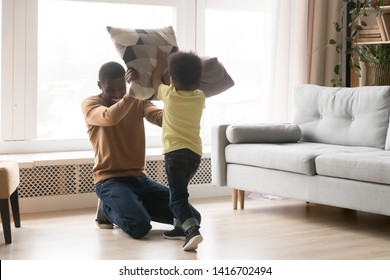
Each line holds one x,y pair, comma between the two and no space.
58,46
70,53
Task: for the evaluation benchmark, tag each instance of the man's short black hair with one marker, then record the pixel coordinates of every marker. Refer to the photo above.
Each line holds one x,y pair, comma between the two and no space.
111,70
185,68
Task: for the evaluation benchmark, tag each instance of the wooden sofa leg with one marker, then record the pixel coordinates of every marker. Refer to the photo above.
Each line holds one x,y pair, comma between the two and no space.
238,195
234,198
241,194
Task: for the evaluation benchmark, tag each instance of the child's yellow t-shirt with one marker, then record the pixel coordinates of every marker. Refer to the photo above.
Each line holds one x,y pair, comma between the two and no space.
182,114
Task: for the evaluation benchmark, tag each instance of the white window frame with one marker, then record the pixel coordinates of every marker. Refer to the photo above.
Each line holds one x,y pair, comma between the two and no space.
18,112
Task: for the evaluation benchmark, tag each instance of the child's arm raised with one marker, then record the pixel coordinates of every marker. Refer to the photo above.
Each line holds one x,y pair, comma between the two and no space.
162,62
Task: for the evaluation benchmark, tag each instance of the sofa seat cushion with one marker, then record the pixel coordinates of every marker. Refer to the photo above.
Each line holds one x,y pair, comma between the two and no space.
366,166
293,157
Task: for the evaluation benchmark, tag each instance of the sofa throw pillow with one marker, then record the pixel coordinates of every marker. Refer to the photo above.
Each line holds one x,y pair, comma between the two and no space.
138,49
263,133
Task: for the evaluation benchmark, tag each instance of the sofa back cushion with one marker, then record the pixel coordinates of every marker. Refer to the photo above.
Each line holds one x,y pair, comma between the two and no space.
344,116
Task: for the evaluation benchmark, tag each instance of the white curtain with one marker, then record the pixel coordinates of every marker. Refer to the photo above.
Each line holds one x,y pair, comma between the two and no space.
263,45
290,56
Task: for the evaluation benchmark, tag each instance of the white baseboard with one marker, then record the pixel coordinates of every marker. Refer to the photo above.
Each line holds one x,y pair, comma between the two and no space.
57,203
207,190
88,200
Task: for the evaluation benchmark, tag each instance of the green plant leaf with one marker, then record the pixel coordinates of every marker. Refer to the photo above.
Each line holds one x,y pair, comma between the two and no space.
358,27
337,69
338,27
358,72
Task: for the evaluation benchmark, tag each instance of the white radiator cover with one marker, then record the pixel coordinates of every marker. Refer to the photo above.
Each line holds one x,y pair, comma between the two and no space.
70,186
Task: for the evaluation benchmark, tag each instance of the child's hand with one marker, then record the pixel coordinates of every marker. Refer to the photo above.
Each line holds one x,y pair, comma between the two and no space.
162,62
162,58
131,75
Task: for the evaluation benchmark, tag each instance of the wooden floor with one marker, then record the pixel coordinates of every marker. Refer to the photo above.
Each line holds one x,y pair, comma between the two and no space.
266,229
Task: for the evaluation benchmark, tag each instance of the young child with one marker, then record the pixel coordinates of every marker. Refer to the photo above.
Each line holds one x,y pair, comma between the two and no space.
182,145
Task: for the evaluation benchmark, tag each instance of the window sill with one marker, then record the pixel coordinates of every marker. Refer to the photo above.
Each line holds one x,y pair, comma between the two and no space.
74,157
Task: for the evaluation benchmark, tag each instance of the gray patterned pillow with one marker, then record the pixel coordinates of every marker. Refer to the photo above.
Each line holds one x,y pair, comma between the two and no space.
138,49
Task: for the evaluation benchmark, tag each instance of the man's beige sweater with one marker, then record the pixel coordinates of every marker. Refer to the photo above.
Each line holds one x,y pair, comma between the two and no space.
117,135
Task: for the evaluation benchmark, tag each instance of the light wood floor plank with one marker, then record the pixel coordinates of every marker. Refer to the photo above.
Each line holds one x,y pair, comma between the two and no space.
266,229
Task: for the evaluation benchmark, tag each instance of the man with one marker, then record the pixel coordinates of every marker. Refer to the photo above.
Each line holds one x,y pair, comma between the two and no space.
115,122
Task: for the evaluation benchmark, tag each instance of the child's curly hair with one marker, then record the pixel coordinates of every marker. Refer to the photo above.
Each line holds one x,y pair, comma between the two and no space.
185,69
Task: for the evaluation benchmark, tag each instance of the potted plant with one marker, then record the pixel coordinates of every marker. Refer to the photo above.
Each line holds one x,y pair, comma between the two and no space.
353,16
376,58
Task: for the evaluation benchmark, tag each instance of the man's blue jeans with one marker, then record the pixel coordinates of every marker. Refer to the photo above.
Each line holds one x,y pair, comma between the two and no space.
181,165
133,202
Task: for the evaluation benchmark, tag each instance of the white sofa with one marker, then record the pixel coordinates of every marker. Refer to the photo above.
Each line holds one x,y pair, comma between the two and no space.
335,152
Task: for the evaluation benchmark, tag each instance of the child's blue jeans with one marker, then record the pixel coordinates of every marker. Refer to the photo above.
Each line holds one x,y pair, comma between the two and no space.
181,165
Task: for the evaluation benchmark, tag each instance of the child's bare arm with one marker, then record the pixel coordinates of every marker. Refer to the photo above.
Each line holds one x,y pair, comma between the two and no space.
162,61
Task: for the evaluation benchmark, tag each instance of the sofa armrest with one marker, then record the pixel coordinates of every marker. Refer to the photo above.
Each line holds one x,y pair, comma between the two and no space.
218,159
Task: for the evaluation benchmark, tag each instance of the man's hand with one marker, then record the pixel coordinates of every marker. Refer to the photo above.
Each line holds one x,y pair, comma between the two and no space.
131,75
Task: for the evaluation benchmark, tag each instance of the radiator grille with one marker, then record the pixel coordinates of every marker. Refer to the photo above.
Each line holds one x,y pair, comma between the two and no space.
53,180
